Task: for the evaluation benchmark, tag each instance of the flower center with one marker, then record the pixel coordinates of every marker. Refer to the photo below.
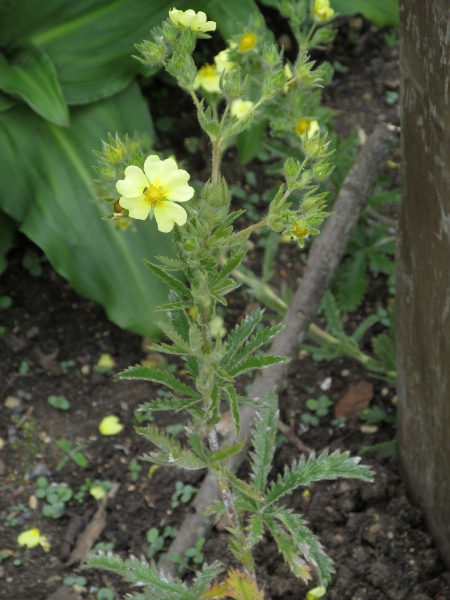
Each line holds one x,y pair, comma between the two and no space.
302,126
247,41
154,194
300,230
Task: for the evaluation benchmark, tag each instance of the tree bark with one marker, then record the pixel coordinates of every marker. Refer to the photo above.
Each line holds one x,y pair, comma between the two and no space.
423,263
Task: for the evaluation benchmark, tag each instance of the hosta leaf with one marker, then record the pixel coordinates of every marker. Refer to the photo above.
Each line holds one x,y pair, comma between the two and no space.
54,202
158,376
324,466
28,74
264,436
256,362
381,14
7,229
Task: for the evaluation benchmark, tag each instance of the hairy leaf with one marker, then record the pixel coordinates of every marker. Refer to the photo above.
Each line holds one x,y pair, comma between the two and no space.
173,454
288,549
240,334
242,586
233,400
351,282
264,436
171,281
256,362
384,347
324,466
156,375
233,261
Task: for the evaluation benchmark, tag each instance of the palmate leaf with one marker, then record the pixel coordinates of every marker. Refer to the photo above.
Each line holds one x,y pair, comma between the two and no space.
259,339
172,452
28,74
53,201
306,542
137,572
324,466
263,437
158,376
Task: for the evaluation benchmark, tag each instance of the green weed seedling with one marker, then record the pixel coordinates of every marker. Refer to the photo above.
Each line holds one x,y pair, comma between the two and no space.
319,408
65,365
135,468
59,402
55,495
157,540
32,263
182,494
77,580
14,514
5,554
103,547
374,415
5,302
24,367
193,554
75,454
104,594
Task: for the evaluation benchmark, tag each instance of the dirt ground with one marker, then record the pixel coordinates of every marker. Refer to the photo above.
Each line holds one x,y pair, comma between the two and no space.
51,346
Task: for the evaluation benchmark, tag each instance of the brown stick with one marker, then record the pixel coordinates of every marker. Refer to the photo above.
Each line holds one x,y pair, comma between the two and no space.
324,257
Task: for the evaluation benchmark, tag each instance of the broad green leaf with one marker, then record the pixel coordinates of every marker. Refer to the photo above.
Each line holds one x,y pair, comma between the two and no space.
7,229
91,42
324,466
158,376
46,183
28,74
382,13
263,438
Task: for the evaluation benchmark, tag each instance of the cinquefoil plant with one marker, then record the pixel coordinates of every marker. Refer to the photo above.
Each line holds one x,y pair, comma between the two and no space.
202,233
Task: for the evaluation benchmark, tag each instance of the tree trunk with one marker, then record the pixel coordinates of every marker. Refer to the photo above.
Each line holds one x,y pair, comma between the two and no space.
423,292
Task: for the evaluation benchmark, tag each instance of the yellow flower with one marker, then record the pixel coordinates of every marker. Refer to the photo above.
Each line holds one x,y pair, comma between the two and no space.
306,125
155,190
110,425
239,108
247,41
316,593
191,19
300,229
208,78
32,538
223,62
322,11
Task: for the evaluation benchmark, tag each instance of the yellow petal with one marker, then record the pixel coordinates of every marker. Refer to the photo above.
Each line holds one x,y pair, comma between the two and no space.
316,593
97,491
110,425
29,538
106,361
44,542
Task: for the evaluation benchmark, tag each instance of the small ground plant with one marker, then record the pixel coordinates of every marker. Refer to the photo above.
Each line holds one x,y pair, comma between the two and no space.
249,80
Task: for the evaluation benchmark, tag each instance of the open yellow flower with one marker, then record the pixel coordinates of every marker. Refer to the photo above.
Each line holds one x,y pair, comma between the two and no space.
322,11
208,78
306,125
155,191
223,62
247,41
239,108
191,19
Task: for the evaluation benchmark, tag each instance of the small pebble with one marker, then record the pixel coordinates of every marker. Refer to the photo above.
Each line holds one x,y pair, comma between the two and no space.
326,384
345,373
85,369
41,469
368,429
25,395
12,402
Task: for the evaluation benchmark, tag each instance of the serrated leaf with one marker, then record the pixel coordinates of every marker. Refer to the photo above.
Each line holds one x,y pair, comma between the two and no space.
364,326
256,362
29,74
217,590
233,261
263,437
242,586
332,313
204,577
233,400
173,454
227,451
255,529
259,339
243,487
351,281
240,334
171,281
384,347
168,327
158,376
169,306
172,403
324,466
288,549
306,542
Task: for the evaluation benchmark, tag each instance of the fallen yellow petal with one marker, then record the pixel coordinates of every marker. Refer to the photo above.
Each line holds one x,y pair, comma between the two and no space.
106,361
98,492
316,593
29,538
110,425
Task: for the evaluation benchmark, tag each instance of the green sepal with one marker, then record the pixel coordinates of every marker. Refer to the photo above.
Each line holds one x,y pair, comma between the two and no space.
158,376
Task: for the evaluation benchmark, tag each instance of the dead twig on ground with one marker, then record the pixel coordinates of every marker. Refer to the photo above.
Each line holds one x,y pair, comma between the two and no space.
324,257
